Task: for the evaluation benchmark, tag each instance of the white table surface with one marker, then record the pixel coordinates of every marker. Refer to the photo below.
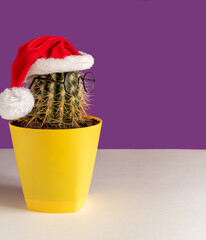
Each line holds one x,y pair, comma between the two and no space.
135,194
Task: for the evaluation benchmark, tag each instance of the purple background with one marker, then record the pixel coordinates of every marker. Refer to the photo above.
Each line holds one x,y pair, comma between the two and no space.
150,61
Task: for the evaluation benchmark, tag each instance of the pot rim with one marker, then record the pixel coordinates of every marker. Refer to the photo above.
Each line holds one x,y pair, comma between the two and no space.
73,129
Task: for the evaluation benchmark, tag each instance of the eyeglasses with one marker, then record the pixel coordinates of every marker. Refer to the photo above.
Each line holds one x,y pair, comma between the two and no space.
87,81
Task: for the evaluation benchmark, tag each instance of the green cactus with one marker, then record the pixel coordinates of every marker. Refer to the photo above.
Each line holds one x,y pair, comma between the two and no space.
54,107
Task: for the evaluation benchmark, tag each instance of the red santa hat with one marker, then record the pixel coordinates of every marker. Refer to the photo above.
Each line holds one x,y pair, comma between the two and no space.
43,55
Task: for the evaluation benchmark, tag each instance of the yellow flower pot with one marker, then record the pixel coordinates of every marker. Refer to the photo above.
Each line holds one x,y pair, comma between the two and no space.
55,165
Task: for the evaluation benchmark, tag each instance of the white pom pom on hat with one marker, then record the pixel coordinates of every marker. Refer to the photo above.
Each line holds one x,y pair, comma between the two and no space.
43,55
15,103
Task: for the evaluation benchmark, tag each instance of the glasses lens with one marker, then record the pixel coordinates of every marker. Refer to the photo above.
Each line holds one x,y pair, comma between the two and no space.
89,82
69,83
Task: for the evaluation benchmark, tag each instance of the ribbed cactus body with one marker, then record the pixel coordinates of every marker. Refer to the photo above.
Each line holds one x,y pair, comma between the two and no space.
55,106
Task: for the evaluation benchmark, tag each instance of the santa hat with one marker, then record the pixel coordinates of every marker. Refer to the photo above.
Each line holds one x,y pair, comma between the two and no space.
43,55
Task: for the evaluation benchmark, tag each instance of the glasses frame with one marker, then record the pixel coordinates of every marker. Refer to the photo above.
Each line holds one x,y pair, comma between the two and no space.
83,81
80,78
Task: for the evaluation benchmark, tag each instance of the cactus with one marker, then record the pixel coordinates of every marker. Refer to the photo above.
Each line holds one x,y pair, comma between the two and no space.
54,107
